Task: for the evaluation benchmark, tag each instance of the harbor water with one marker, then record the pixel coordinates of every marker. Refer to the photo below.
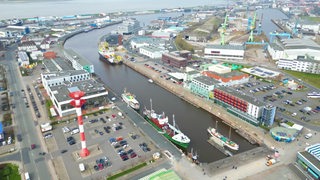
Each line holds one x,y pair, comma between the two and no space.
191,120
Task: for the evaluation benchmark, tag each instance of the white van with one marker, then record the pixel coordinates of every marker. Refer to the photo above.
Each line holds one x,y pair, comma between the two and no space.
26,176
82,167
75,131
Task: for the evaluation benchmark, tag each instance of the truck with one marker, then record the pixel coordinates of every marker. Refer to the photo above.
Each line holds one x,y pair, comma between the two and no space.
45,127
271,162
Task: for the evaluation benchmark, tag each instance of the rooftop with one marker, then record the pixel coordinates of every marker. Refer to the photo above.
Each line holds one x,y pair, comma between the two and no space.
241,95
229,74
174,56
152,48
311,158
232,47
148,40
57,64
61,74
206,80
300,44
78,58
90,87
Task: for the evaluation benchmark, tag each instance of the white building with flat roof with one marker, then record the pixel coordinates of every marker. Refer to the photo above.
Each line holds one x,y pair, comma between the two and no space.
228,52
294,49
301,65
152,52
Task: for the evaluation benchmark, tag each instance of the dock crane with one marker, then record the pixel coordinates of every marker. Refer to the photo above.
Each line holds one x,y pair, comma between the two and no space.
252,27
259,30
224,27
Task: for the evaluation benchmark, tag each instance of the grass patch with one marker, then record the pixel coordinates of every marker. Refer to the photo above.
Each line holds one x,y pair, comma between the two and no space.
312,79
9,171
127,171
311,19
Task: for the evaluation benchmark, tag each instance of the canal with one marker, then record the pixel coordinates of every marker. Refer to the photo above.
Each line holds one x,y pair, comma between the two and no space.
191,120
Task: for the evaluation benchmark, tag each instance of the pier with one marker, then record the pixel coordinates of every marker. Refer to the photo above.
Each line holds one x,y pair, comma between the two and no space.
219,147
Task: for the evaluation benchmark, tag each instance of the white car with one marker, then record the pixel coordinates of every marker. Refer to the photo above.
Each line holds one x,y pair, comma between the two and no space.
75,131
65,129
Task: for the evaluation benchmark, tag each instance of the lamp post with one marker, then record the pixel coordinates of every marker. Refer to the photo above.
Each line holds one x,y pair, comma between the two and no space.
77,102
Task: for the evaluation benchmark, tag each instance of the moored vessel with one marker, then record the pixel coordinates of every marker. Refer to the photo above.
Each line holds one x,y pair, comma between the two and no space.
222,140
131,100
161,123
108,54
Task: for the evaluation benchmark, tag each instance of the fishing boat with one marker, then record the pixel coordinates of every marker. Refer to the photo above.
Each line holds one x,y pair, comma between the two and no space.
150,80
220,139
161,123
108,54
131,100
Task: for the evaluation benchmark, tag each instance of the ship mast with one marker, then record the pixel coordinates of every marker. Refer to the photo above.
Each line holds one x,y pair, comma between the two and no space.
151,104
216,125
230,133
173,121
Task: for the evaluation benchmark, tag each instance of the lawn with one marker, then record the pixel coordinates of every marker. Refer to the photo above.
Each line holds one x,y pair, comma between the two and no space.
312,79
126,171
9,171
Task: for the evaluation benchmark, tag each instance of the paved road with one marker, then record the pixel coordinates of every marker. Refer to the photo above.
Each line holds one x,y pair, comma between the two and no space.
32,162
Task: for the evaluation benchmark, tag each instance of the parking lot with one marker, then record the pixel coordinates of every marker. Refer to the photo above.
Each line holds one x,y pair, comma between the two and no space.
114,142
289,103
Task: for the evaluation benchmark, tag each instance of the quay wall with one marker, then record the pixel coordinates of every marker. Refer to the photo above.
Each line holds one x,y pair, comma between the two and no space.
199,102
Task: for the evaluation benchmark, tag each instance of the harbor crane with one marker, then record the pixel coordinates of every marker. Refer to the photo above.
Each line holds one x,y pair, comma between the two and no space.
252,27
224,27
275,34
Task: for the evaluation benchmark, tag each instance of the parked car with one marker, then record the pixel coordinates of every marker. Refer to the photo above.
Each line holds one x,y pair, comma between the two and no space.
33,146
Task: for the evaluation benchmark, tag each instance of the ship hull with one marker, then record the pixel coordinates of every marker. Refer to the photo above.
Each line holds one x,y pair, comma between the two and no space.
102,58
165,134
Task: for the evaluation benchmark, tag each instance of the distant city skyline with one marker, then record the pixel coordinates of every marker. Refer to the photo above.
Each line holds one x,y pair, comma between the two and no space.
20,9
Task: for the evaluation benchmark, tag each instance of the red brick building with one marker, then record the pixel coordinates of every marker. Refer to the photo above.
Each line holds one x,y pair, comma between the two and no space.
177,59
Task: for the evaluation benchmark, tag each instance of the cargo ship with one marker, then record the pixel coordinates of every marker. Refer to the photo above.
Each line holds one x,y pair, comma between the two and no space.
131,100
222,140
108,54
161,123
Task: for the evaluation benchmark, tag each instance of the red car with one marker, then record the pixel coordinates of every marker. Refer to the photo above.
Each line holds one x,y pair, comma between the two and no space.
33,146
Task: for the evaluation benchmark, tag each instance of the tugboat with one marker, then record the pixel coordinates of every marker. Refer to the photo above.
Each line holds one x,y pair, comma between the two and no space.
171,132
130,99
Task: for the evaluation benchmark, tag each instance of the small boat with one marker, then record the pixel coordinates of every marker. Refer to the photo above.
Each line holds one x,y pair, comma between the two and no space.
131,100
150,80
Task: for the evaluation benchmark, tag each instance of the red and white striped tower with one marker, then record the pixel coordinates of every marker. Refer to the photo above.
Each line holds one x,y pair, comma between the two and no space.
77,102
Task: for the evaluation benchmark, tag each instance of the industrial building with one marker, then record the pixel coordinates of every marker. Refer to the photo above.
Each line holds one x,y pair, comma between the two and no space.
309,160
301,65
226,52
240,105
77,62
202,86
140,41
293,49
153,52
